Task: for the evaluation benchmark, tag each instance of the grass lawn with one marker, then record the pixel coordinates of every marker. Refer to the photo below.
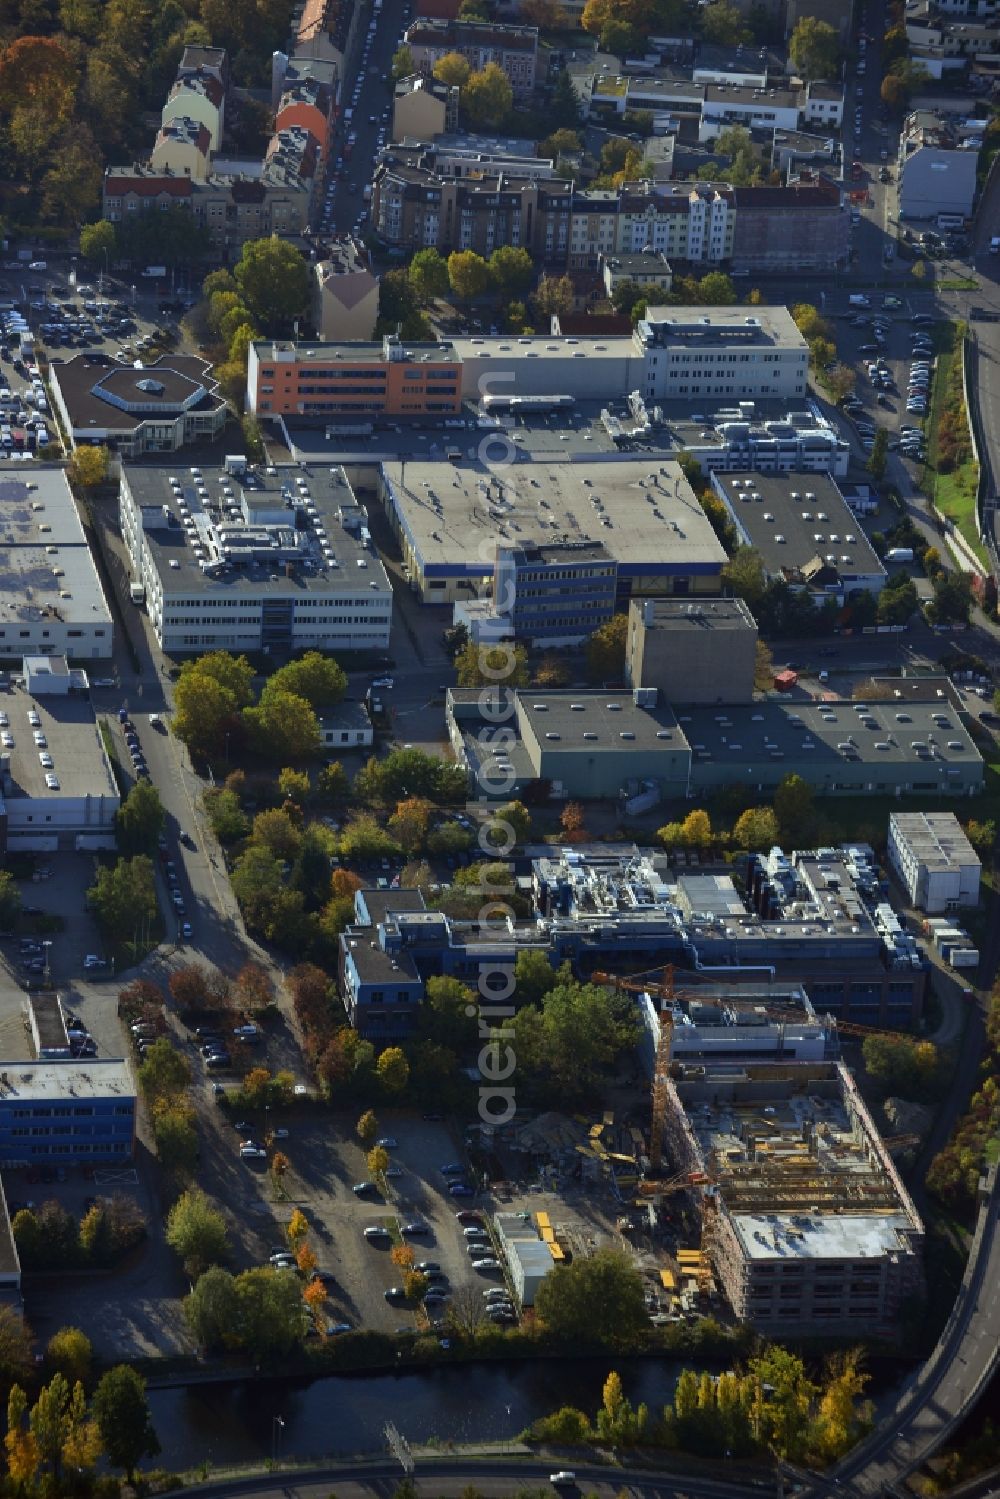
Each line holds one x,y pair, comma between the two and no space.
953,493
959,283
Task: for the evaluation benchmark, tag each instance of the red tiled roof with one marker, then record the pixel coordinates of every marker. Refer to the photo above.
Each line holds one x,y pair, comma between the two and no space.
118,186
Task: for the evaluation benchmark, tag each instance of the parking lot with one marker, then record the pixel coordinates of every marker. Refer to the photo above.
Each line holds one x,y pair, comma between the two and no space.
326,1162
892,352
44,318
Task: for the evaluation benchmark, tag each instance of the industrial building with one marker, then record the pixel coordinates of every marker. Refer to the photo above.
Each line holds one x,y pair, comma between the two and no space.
700,651
760,1022
66,1112
240,558
740,438
57,788
451,517
803,530
804,1217
817,922
590,743
51,598
934,860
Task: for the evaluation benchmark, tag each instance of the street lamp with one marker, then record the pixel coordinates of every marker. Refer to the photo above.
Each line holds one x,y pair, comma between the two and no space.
277,1427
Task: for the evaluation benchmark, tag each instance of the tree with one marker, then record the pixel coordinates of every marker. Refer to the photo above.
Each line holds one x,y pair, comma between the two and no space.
512,268
367,1127
744,575
756,830
893,93
903,1065
564,107
10,900
428,274
211,1309
606,650
512,821
982,836
763,667
124,1420
123,898
498,665
377,1160
723,25
97,241
70,1352
810,321
88,466
878,457
403,65
275,283
317,678
140,819
176,1136
16,1358
487,96
573,1038
468,274
410,823
572,821
403,1256
561,142
283,725
952,600
553,297
164,1073
393,1070
814,48
696,830
794,809
197,1232
297,1228
897,602
269,1312
204,712
598,1299
23,1456
534,975
840,381
452,69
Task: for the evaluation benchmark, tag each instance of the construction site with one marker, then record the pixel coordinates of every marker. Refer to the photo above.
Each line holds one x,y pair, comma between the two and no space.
765,1174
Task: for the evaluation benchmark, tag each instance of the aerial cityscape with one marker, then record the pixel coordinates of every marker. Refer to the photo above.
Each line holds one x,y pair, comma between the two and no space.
500,748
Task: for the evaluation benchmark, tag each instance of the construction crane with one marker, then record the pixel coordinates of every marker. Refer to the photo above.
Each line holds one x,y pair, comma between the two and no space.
661,1066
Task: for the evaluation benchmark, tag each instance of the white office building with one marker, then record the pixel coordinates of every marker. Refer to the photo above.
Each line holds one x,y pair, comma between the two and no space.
251,559
934,860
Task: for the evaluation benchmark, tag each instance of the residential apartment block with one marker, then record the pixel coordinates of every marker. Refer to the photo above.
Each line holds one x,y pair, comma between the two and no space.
345,293
423,108
513,48
420,200
239,559
232,202
322,381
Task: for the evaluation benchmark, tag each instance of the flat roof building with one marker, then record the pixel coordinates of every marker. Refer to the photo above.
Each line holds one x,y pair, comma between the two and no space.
66,1112
51,598
57,788
152,408
701,352
697,651
934,860
243,558
326,382
803,530
608,743
450,518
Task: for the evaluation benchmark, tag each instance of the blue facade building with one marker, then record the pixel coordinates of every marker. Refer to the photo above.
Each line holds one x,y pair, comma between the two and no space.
559,593
66,1112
